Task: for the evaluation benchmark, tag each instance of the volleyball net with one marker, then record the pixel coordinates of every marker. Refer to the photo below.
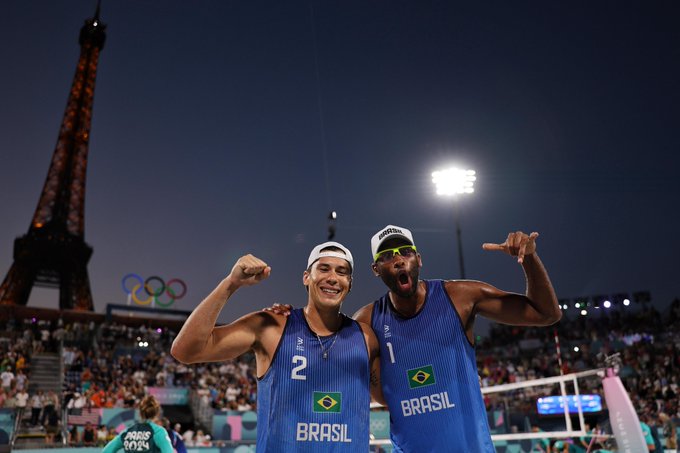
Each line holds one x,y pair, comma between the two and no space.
590,408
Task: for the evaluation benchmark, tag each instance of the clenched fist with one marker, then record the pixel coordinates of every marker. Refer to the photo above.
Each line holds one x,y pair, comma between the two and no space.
248,271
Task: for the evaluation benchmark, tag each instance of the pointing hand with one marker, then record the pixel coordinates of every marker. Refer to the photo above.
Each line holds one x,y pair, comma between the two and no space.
517,244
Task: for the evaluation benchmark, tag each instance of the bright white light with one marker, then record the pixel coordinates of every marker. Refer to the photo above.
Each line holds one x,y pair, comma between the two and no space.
141,344
453,181
584,312
565,306
607,304
576,349
626,302
577,305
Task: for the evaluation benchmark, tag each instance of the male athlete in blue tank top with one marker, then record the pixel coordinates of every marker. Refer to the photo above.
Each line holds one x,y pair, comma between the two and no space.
425,330
325,406
430,381
314,367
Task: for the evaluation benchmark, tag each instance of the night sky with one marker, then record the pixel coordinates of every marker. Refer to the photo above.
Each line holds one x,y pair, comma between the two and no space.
222,128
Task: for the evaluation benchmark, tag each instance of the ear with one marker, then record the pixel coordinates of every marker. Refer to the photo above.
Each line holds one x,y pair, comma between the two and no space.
420,261
350,284
374,268
305,278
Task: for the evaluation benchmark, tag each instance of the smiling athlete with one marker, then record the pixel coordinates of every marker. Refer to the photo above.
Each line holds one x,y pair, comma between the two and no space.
313,367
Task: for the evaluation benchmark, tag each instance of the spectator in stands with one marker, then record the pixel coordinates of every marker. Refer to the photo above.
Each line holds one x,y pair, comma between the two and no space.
243,405
36,407
10,400
52,427
647,433
21,363
188,437
50,403
7,377
102,434
21,380
175,437
669,432
202,439
22,399
78,401
73,436
541,445
89,435
111,434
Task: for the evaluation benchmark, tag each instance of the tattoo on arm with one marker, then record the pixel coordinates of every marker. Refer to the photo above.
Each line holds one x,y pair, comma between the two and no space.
374,379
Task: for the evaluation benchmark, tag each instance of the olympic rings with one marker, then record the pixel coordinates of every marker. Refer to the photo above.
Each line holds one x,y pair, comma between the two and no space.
155,291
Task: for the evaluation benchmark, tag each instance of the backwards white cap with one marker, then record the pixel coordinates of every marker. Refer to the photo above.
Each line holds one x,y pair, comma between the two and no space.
389,232
317,253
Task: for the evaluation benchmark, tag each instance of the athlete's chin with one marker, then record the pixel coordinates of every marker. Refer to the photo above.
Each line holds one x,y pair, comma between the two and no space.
403,290
331,301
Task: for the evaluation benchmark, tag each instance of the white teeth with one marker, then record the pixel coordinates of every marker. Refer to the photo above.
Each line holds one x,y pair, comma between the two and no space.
330,291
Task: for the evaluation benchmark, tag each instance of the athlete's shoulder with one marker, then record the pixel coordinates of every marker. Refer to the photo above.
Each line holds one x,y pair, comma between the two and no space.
263,320
364,314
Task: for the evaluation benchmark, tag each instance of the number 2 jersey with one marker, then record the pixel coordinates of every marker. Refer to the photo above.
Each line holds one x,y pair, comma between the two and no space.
429,377
307,403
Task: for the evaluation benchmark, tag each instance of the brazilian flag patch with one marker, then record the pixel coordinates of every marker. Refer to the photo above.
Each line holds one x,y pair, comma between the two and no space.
420,377
325,402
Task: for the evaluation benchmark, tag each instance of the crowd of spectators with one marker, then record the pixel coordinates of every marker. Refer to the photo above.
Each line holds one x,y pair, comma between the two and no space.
645,339
110,365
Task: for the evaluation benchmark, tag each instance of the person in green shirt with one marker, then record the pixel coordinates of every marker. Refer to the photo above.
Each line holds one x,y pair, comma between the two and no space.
145,436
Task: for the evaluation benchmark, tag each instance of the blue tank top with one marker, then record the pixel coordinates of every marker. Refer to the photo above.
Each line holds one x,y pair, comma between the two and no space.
429,378
307,403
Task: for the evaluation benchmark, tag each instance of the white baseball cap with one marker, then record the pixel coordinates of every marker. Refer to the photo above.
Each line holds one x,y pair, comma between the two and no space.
389,232
317,253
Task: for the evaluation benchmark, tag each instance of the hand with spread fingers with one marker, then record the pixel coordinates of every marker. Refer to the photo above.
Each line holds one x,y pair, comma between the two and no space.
249,270
517,244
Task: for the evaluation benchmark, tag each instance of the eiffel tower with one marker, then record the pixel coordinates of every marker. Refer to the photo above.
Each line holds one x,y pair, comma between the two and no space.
53,253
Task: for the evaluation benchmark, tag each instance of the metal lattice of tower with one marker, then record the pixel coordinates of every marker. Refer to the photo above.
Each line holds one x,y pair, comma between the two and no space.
53,253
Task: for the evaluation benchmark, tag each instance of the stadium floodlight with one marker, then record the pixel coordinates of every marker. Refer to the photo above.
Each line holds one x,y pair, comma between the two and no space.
626,302
453,182
584,312
607,304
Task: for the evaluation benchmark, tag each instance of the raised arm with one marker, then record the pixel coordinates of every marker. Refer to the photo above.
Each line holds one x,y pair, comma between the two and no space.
200,340
537,307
